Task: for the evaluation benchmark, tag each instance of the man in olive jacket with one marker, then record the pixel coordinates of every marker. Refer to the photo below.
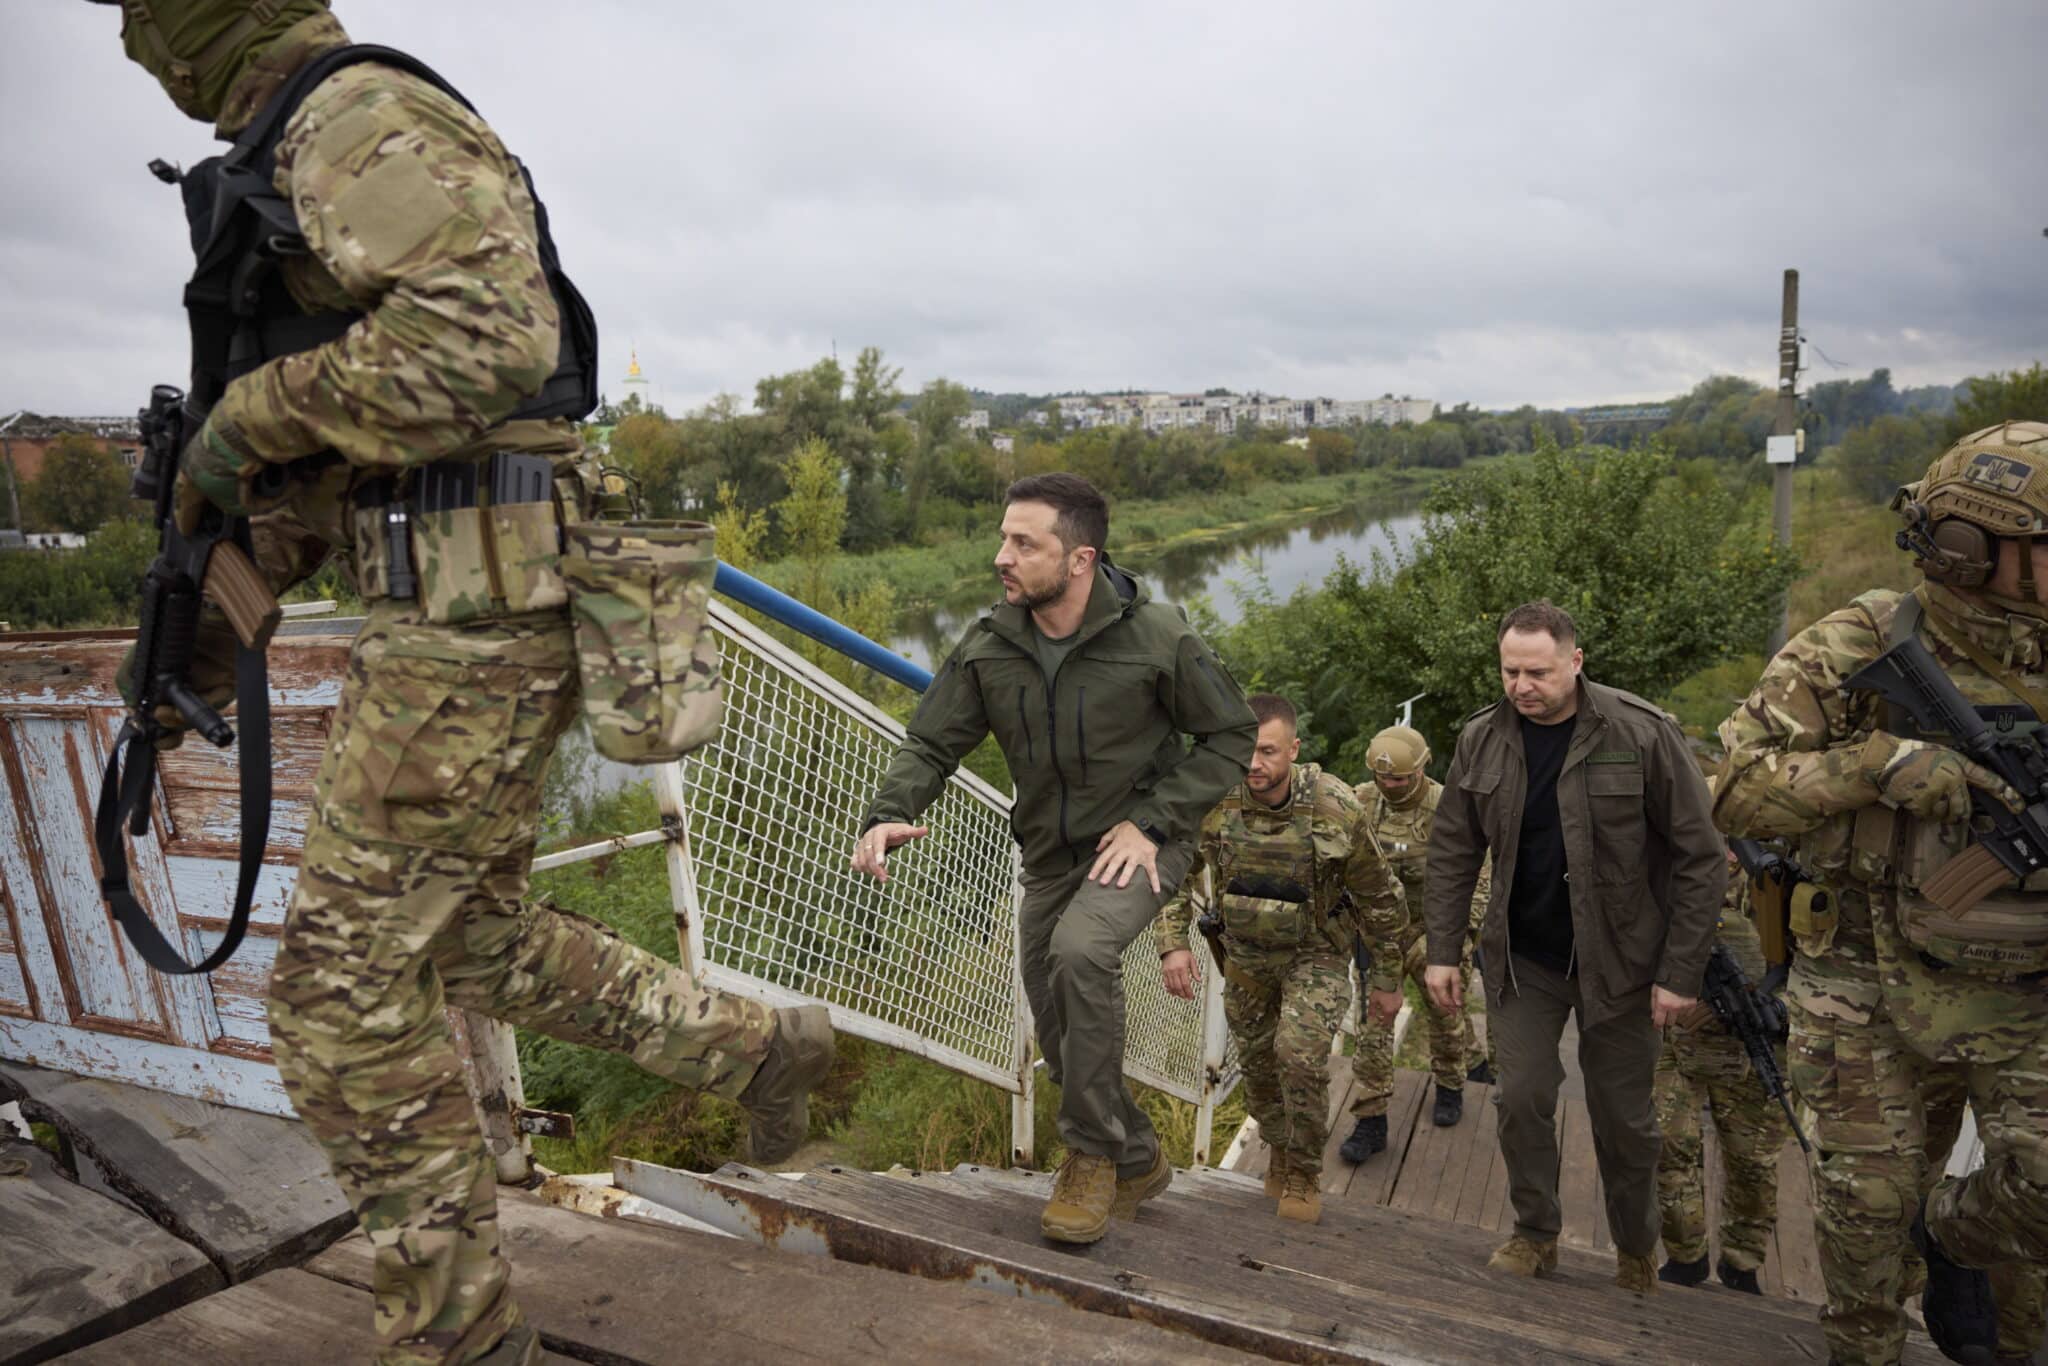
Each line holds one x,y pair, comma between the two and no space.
1088,686
1607,883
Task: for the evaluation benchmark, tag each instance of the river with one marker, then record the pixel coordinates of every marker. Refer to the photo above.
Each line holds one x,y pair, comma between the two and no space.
1288,556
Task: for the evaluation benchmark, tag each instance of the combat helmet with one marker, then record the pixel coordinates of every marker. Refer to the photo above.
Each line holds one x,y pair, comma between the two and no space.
1991,484
1398,751
197,48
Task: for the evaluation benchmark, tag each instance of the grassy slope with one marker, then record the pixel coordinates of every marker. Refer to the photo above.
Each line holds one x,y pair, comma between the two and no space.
1846,542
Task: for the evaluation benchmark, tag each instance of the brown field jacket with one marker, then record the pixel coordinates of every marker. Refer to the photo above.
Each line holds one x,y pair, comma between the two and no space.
1646,867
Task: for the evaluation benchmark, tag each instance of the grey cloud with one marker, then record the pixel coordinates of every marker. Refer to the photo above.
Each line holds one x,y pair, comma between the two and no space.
1489,202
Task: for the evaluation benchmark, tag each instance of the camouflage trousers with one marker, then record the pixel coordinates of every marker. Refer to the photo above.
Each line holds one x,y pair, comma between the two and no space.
1882,1116
1452,1043
1284,1009
411,898
2021,1288
1708,1068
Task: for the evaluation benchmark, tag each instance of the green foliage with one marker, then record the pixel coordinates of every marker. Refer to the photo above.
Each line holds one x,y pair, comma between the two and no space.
99,585
2021,396
1663,573
82,486
1875,459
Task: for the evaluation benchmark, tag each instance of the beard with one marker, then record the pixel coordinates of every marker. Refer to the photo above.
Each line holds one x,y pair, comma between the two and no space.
1045,594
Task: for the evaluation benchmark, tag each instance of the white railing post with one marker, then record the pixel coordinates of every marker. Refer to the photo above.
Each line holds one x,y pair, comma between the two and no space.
1023,1113
670,796
1215,1043
490,1068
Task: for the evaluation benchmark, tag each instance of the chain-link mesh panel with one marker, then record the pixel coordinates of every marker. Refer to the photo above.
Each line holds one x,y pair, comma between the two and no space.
772,809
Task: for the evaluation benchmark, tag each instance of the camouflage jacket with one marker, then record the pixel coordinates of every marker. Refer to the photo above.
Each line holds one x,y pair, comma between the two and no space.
416,216
1795,768
1320,840
1403,834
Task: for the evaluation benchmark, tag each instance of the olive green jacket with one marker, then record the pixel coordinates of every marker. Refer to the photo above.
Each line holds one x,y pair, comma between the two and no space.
1101,745
1647,869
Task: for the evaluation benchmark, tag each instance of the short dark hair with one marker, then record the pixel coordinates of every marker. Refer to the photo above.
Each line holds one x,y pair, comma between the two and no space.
1081,517
1541,615
1271,706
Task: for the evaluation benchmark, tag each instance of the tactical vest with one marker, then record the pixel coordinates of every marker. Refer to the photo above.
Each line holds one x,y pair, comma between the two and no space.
240,311
1279,876
2006,934
1404,836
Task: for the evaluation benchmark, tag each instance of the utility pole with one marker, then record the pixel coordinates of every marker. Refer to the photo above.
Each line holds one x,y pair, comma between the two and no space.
1783,447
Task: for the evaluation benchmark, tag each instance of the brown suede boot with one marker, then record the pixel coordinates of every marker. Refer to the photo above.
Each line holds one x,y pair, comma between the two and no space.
1082,1194
1526,1257
1302,1199
778,1098
1276,1174
1635,1273
1137,1190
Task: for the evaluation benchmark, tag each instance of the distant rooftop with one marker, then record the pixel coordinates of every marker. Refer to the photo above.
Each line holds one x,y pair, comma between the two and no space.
36,427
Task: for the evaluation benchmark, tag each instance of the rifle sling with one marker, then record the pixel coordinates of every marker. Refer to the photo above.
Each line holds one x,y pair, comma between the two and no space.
125,797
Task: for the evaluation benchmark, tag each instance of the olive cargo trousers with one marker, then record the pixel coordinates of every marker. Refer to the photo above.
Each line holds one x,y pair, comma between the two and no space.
1618,1059
1074,934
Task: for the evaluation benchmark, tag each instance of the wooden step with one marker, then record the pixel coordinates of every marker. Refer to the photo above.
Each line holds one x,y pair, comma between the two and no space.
1209,1258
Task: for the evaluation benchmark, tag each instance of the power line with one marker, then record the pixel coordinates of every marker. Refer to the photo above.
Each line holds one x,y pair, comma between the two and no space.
1822,354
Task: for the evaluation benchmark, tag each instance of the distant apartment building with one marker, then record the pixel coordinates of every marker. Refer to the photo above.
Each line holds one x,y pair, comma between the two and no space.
1005,444
976,421
25,438
1222,413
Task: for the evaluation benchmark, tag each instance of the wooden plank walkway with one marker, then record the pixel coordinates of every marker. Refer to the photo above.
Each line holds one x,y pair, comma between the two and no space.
1368,1284
622,1291
1457,1174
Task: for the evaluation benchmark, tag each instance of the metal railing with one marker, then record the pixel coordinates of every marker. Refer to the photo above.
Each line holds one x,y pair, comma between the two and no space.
759,825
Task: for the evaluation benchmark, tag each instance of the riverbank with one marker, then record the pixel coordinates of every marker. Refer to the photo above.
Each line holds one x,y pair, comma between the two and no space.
926,575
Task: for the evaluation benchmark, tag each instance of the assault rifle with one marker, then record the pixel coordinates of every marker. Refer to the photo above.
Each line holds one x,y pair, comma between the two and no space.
211,564
1780,891
1757,1019
2009,844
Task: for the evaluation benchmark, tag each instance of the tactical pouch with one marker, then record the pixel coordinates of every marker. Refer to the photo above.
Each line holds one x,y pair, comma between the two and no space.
2002,935
1254,914
639,594
455,578
498,554
371,551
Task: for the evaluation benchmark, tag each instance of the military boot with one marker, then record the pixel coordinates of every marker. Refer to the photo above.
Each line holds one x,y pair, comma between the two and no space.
1136,1190
519,1347
1082,1195
1369,1136
1480,1073
1735,1277
1450,1107
1276,1173
779,1096
1957,1305
1302,1198
1524,1257
1638,1274
1686,1273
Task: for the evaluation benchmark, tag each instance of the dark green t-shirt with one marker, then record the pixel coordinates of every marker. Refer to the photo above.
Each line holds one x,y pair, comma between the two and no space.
1051,652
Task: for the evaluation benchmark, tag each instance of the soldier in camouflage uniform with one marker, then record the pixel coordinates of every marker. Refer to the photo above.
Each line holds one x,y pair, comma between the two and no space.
1704,1065
1281,852
1400,804
2021,1290
1891,995
412,890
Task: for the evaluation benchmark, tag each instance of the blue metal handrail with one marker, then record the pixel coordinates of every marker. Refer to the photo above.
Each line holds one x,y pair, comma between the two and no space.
748,591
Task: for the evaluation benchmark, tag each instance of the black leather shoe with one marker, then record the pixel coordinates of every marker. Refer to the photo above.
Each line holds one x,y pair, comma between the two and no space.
1450,1107
1683,1273
1961,1314
1735,1278
1367,1138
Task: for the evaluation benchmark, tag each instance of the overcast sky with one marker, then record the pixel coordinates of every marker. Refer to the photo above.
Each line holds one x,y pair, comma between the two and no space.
1487,203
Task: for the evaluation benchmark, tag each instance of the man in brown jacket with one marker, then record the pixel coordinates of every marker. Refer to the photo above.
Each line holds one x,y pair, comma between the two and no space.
1607,881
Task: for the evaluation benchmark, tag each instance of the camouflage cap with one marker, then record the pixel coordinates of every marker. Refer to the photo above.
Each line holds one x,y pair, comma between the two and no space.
1995,480
1397,751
